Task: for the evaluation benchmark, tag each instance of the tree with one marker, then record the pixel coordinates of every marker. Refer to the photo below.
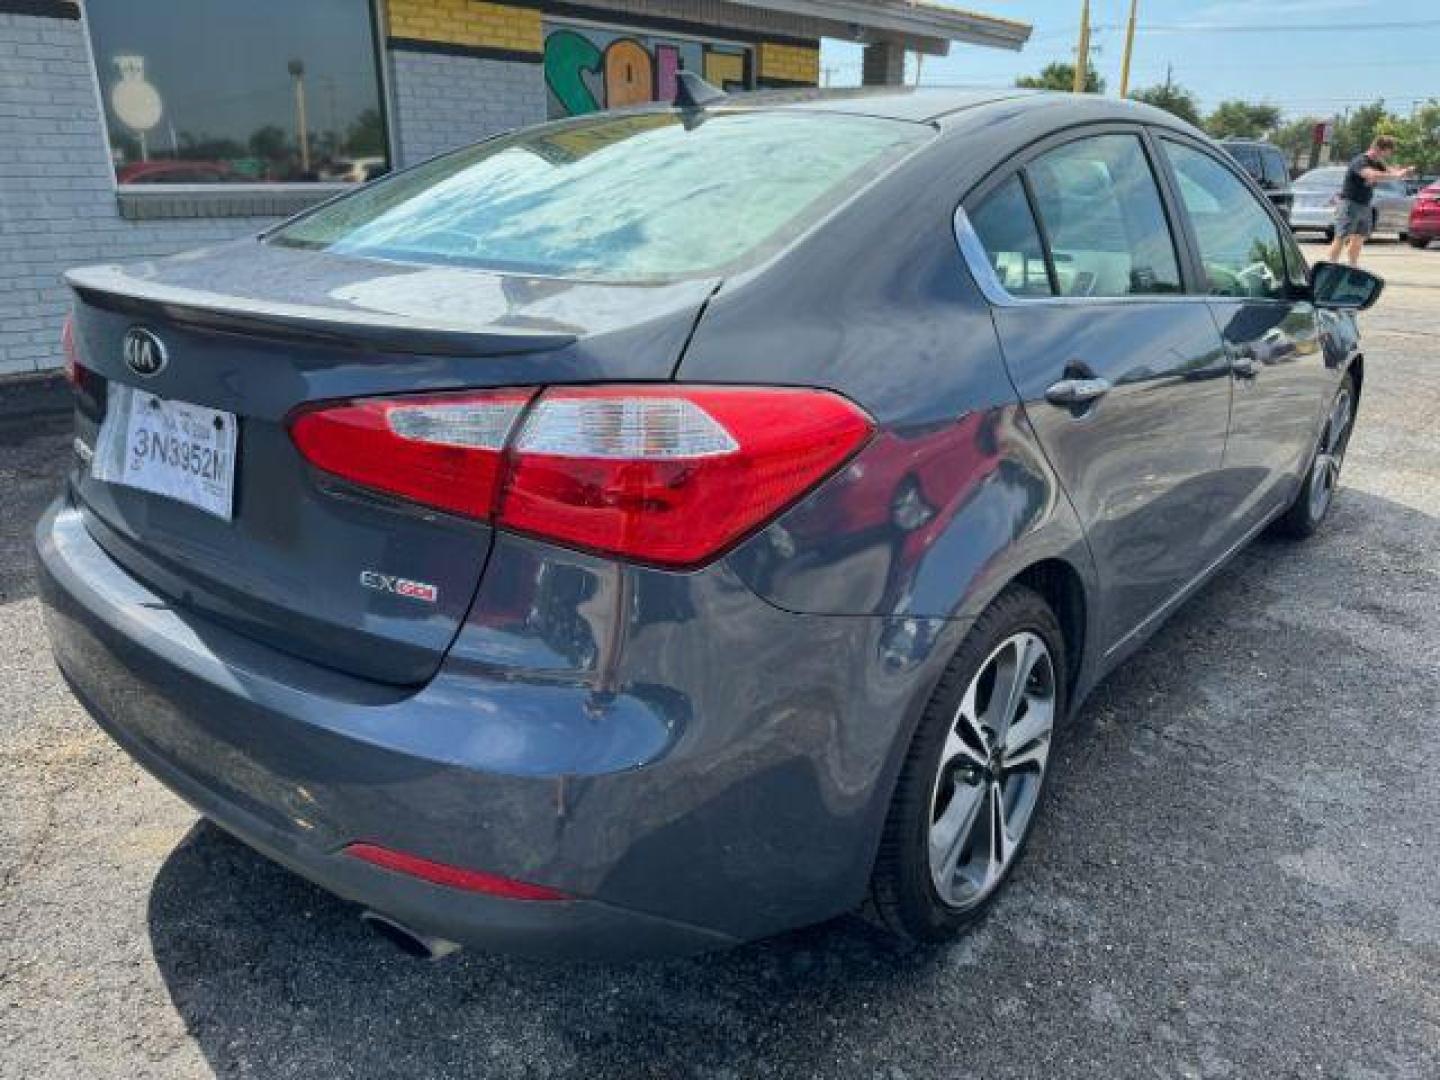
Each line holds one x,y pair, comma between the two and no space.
1173,99
270,143
1242,120
1418,139
366,136
1357,130
1296,138
1060,76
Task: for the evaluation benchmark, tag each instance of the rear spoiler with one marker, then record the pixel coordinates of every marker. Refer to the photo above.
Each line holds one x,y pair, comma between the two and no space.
110,288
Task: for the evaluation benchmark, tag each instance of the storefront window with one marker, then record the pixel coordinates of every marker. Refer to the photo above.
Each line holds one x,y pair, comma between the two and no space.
220,92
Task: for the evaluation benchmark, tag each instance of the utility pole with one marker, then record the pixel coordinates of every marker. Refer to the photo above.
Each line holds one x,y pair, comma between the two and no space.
1129,48
1082,52
302,122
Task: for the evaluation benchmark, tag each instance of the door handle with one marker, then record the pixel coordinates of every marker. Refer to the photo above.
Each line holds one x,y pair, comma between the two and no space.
1072,392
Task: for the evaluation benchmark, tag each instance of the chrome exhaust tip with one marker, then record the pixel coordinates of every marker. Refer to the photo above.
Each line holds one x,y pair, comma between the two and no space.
410,942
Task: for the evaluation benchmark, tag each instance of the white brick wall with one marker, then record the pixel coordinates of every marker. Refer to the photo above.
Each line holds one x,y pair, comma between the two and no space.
57,196
444,101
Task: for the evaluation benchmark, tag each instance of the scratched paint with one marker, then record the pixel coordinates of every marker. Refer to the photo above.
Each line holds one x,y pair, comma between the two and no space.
589,68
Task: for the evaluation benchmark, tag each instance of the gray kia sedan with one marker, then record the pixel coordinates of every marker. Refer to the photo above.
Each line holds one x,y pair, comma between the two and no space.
654,530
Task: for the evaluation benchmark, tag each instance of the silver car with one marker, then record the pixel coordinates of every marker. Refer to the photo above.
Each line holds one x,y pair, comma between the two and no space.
1317,193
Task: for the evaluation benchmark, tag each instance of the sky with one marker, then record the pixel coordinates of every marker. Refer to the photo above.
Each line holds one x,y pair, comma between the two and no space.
1310,57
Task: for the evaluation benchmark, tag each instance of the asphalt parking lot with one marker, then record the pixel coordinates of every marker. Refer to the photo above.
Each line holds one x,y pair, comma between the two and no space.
1239,874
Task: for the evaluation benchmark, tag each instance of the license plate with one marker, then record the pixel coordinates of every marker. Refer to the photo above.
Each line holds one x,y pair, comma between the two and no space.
170,448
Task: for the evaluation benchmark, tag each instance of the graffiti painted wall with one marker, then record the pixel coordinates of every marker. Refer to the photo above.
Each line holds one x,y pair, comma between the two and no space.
589,67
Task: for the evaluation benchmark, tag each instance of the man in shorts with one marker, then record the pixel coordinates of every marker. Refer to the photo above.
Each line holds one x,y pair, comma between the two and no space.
1355,217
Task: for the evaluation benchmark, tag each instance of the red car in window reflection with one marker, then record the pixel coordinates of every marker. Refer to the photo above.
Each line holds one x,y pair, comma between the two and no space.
176,172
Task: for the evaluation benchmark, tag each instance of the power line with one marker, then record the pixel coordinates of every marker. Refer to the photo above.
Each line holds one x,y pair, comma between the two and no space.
1241,28
1289,28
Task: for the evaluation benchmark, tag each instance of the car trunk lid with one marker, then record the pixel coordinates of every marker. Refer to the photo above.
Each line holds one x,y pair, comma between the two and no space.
352,579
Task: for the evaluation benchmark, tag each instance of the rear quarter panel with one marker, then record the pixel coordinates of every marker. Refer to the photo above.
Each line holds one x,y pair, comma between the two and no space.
952,497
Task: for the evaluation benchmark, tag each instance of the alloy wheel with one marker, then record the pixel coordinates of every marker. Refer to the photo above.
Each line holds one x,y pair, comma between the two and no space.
1330,455
991,770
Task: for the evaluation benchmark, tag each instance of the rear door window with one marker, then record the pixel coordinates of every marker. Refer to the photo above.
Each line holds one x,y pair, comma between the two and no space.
1100,208
1007,231
1240,244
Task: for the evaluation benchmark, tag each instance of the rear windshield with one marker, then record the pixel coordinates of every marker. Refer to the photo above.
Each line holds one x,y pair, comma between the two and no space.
638,197
1321,179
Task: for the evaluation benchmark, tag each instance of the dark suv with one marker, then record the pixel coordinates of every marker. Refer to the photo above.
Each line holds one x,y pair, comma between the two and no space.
1266,165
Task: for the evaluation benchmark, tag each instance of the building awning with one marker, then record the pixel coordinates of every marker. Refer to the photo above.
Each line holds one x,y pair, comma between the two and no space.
916,24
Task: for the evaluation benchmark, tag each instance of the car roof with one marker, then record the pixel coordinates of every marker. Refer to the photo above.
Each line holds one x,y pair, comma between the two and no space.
922,104
953,106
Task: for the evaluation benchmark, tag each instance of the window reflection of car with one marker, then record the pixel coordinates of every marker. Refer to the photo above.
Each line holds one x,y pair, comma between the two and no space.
355,170
176,172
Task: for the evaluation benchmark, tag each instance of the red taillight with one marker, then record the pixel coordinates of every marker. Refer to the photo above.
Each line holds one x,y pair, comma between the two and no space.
453,877
443,450
661,474
71,349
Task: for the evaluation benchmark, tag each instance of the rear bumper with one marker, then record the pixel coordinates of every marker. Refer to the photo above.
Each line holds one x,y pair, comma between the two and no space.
677,826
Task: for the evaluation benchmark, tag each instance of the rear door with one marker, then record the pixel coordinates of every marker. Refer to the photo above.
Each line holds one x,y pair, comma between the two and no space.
1123,376
1253,273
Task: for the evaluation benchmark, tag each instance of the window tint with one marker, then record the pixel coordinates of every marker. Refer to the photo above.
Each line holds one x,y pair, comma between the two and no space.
1012,242
641,197
1239,242
1102,214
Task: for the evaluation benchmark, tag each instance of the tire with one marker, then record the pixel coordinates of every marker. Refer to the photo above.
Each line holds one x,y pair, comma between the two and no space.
1329,236
1317,494
943,783
1421,242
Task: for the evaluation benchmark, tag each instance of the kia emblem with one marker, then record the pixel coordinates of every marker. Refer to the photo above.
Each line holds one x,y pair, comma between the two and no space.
144,352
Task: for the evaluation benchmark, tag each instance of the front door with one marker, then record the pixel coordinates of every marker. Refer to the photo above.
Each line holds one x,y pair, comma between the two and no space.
1256,280
1124,378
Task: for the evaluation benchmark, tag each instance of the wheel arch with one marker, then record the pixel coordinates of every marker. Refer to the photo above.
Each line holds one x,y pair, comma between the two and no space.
1062,587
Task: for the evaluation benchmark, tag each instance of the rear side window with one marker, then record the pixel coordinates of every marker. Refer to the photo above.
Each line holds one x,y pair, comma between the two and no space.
1239,241
1011,240
1100,208
1276,171
643,197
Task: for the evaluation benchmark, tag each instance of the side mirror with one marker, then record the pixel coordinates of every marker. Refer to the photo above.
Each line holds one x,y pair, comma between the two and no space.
1344,288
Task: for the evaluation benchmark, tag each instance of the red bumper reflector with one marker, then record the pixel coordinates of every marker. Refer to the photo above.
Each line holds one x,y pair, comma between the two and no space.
453,877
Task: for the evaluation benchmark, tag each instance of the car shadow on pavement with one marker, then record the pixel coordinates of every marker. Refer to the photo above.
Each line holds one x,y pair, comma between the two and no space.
1131,914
